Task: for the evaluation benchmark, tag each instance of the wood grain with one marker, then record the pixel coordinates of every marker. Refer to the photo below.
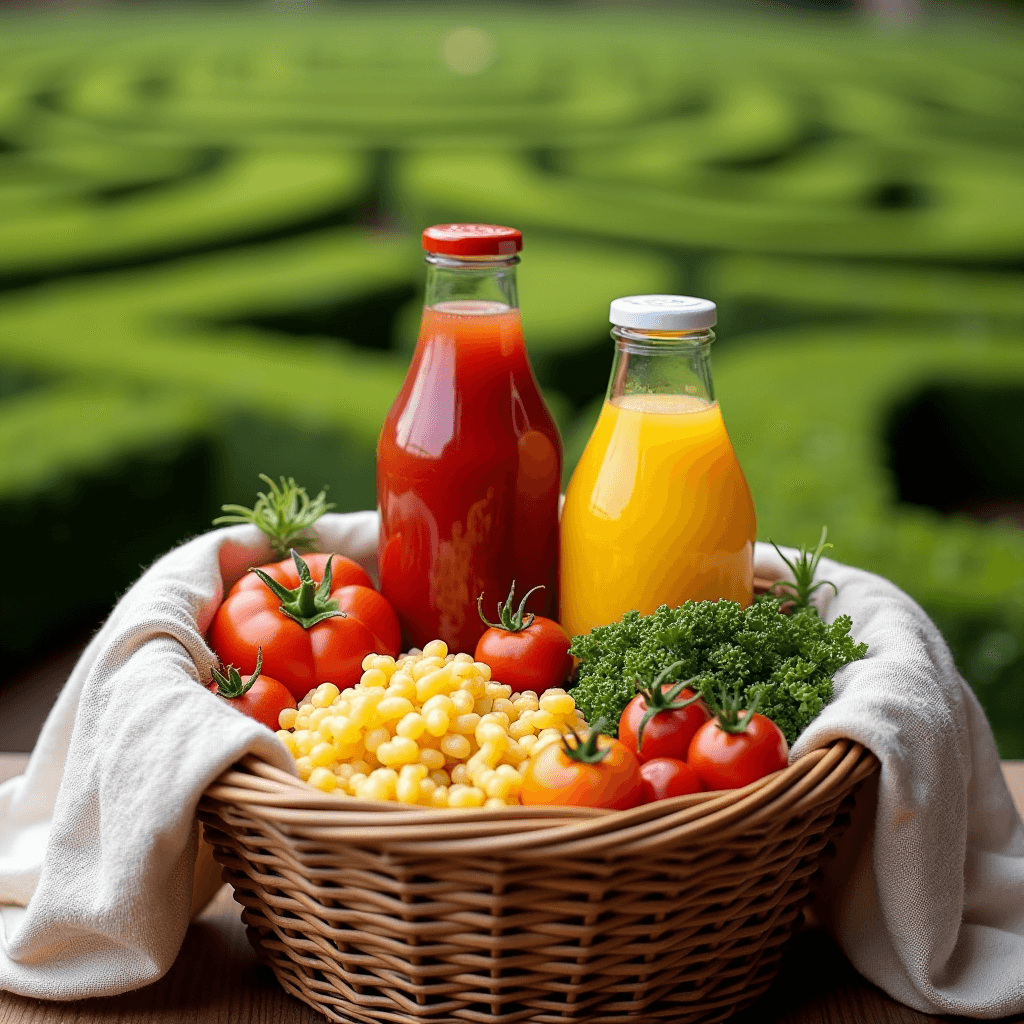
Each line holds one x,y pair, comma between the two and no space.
217,980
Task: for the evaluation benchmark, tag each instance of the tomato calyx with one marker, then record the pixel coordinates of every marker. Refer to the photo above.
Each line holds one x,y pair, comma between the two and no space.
283,516
231,686
509,622
307,604
657,699
730,718
586,751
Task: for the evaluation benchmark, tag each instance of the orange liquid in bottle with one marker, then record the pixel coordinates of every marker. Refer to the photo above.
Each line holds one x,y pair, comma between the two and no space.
658,512
469,464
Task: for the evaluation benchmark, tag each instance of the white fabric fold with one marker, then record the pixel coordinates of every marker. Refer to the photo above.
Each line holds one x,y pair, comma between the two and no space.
97,839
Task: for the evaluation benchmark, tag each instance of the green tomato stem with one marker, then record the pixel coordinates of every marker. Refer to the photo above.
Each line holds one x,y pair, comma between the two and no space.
308,603
232,686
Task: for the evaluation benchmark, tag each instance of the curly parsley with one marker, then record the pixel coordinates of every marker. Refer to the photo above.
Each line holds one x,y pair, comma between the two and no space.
788,660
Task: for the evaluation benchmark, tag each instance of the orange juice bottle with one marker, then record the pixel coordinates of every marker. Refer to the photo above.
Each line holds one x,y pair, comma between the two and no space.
658,510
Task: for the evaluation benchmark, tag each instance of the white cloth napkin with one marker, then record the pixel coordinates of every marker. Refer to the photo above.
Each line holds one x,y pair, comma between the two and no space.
97,839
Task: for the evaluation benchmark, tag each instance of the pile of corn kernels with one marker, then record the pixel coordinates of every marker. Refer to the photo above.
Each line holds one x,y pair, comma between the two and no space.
430,729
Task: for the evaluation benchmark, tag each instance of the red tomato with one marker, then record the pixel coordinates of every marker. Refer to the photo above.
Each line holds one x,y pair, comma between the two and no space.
375,610
611,780
663,777
729,760
666,733
257,696
299,655
526,654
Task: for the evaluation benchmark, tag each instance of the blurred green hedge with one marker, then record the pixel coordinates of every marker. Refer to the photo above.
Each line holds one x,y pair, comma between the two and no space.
209,268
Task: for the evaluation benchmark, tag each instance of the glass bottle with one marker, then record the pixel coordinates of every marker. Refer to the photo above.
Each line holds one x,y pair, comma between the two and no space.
658,510
469,461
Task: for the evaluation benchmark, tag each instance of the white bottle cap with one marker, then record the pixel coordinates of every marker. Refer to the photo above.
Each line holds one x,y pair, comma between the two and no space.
663,312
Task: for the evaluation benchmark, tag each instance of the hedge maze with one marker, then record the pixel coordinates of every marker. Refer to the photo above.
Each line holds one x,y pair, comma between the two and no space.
209,267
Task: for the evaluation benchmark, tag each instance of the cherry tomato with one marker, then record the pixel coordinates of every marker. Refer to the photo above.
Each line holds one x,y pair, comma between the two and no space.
666,733
257,696
663,777
613,780
526,654
729,760
299,654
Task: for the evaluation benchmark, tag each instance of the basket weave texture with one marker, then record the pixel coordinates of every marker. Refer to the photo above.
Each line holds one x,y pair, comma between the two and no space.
673,911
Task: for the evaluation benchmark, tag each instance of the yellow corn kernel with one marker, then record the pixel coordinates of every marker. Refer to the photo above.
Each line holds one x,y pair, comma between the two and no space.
557,703
374,789
455,746
413,771
436,649
491,752
493,690
426,788
286,719
473,684
433,759
424,666
462,670
367,662
433,683
550,734
483,670
326,694
304,767
344,771
407,791
398,751
459,775
503,692
356,779
288,739
506,771
499,786
301,722
464,659
542,720
359,766
439,700
439,798
437,722
466,724
462,701
515,754
503,706
499,717
402,685
317,716
495,801
482,775
375,737
322,778
527,743
384,663
373,677
520,728
411,726
345,731
488,731
304,740
321,754
441,777
483,705
466,796
391,709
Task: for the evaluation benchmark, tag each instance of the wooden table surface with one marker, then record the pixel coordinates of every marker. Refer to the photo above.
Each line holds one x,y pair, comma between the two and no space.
216,979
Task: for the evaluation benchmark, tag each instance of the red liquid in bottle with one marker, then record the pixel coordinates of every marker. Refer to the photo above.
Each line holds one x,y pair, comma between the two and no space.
469,466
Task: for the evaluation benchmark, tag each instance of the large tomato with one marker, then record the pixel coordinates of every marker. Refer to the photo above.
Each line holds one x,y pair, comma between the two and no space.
530,653
732,754
660,720
296,611
600,772
258,696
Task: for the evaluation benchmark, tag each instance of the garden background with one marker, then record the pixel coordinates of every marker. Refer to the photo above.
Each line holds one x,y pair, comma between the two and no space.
209,267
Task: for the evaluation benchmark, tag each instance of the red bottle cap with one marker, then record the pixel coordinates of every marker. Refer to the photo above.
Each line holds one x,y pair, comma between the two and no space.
472,240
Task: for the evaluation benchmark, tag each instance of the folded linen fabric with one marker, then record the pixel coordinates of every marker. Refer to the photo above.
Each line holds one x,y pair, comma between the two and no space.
97,839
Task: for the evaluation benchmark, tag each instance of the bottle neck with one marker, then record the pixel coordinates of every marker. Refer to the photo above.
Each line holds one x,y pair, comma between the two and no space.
471,285
662,363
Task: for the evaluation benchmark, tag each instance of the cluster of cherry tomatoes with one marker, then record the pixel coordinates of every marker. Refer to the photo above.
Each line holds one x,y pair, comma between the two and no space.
670,744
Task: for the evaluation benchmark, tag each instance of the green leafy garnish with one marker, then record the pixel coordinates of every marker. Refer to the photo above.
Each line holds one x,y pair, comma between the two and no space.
803,571
785,662
283,515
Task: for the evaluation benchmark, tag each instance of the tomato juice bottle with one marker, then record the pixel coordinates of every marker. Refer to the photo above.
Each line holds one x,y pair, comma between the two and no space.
658,510
469,460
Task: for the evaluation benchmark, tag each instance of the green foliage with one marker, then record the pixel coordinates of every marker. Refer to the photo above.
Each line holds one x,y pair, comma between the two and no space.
786,662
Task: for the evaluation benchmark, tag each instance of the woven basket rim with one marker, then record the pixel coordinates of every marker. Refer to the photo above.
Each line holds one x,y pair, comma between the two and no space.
285,803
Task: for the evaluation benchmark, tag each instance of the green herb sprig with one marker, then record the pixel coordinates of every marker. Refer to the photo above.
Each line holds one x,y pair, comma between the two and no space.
803,570
284,514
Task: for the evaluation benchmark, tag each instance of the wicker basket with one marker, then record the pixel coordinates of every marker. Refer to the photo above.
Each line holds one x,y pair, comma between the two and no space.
674,911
